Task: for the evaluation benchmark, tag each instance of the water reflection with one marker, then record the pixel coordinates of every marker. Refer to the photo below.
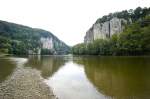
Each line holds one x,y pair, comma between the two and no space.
70,82
119,77
46,64
6,68
76,77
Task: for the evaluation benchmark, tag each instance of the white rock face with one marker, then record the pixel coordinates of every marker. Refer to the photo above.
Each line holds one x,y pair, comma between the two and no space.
89,36
104,30
116,25
47,43
98,31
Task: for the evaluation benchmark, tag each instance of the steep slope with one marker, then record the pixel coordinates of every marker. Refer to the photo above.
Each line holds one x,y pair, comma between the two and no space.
114,23
19,39
122,33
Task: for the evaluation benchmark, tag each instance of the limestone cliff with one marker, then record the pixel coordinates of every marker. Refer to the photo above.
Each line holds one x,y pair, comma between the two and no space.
103,30
26,40
114,23
47,43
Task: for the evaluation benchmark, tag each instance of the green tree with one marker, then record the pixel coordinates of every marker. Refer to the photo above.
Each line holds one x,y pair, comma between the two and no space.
4,44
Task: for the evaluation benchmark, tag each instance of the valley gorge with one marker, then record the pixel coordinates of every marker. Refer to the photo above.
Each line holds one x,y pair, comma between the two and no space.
23,40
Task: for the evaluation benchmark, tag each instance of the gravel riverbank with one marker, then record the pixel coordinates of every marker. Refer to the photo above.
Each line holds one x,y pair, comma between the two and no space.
25,83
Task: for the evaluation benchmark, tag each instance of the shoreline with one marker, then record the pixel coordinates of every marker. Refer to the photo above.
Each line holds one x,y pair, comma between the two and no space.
25,83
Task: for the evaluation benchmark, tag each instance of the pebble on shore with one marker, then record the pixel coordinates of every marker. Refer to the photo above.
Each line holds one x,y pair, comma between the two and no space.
25,83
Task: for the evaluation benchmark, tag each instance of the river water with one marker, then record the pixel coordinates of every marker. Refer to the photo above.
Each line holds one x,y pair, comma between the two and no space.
84,77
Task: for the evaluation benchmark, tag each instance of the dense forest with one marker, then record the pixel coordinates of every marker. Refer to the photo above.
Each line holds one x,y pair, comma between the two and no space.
134,40
19,39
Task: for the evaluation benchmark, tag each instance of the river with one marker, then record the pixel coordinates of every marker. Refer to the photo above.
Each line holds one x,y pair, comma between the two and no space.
77,77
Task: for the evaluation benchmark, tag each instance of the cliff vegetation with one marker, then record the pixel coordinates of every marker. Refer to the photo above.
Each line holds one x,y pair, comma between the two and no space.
133,40
23,40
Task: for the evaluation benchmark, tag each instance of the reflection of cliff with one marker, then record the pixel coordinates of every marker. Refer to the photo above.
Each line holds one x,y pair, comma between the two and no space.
6,68
46,64
120,78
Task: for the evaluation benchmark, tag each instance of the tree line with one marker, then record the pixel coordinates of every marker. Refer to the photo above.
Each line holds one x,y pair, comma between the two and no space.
19,40
134,40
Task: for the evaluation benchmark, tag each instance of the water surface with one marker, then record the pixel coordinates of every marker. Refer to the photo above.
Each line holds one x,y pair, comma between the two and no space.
88,77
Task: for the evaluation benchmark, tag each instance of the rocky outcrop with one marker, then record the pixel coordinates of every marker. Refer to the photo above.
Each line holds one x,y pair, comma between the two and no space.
27,40
105,30
47,43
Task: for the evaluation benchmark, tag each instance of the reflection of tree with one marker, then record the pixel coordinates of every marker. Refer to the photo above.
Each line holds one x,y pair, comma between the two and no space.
48,65
118,77
6,68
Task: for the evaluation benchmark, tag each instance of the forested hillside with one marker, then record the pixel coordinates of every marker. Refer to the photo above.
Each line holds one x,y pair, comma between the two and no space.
19,39
133,40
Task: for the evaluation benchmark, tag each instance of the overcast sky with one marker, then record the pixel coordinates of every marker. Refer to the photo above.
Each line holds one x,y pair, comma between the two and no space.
67,19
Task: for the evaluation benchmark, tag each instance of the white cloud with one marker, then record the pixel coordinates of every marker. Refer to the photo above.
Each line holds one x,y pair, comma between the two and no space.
67,19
